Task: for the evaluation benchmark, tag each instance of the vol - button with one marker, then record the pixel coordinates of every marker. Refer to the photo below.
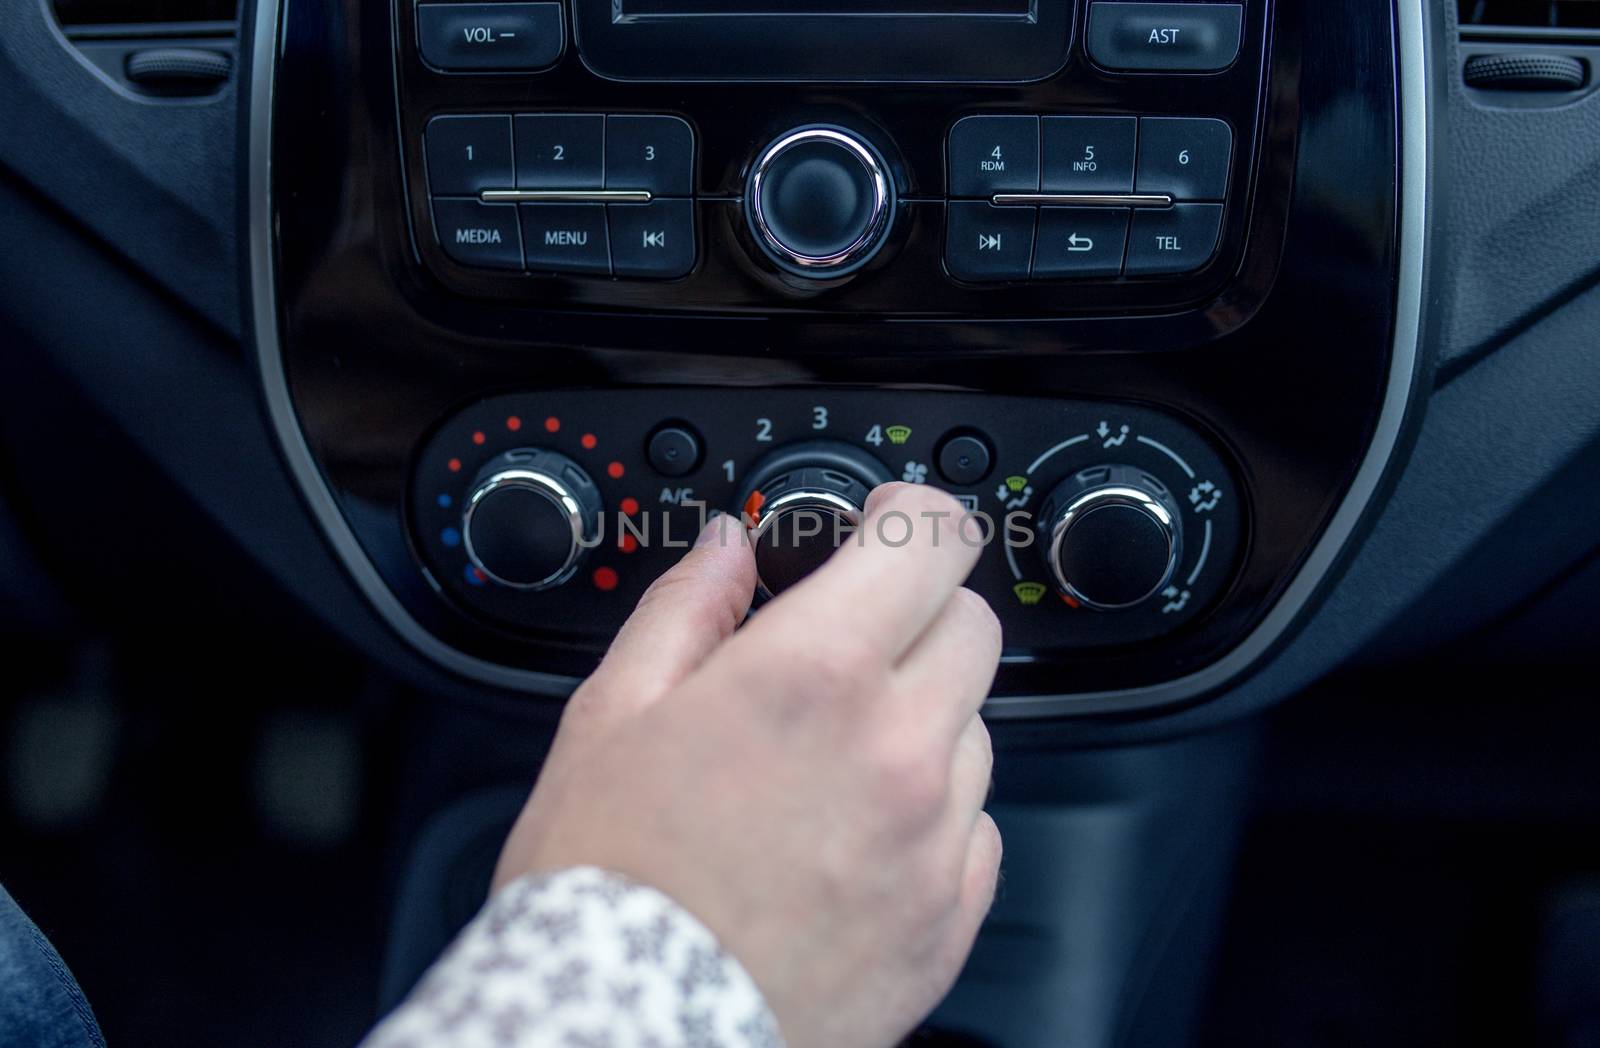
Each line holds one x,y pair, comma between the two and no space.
499,36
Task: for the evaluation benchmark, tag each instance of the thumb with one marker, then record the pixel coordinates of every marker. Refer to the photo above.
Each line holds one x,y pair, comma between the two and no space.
681,619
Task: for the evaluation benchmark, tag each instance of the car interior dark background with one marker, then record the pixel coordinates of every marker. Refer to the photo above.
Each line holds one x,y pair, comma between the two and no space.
332,329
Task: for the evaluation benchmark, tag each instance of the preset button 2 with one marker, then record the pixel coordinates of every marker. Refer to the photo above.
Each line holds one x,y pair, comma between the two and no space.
561,151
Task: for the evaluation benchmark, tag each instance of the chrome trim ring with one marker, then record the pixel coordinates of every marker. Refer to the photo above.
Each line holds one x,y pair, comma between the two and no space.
540,484
859,249
799,501
1108,498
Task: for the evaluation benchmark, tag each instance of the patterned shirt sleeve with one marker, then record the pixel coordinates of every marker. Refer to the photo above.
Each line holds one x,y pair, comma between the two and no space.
583,958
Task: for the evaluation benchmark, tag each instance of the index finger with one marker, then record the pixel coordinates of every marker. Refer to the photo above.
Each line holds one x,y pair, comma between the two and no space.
885,585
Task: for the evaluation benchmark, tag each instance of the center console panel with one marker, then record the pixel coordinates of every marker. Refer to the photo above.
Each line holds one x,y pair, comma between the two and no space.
1131,268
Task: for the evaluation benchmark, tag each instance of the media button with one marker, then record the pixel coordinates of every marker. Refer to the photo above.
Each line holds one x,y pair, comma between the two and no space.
994,154
1080,241
652,240
984,242
1089,154
1178,239
566,238
477,234
560,151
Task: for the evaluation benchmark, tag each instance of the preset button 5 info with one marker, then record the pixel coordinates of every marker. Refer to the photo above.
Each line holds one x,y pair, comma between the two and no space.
566,238
477,234
652,240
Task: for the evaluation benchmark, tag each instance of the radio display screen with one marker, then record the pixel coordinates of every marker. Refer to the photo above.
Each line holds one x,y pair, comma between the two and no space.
629,9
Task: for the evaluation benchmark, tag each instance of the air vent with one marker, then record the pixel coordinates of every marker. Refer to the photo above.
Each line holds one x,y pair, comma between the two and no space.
1483,16
160,49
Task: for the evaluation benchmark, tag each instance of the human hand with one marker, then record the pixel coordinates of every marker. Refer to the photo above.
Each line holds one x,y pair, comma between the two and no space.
810,788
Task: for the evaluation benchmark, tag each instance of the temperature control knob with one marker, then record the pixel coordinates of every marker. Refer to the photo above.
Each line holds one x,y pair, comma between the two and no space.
530,518
802,502
819,201
1112,537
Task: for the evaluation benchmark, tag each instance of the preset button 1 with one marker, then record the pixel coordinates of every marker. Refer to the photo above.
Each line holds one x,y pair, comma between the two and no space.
468,154
566,238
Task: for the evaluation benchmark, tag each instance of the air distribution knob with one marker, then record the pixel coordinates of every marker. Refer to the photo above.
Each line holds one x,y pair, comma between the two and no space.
1112,537
530,518
802,502
819,201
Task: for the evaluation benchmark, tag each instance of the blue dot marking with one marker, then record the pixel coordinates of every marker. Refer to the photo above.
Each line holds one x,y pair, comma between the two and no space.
444,501
450,537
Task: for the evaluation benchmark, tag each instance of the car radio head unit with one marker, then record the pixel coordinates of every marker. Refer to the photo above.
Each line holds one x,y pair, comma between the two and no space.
997,41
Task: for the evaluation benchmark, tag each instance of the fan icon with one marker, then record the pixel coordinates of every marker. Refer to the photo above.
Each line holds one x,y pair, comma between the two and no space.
915,473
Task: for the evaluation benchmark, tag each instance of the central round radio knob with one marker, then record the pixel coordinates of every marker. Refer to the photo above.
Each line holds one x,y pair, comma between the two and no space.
819,201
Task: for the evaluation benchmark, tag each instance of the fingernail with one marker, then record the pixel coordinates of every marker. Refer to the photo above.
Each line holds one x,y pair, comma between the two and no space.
712,532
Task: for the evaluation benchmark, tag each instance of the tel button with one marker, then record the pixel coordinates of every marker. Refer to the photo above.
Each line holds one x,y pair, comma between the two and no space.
652,240
1177,239
994,154
984,242
477,234
480,37
566,238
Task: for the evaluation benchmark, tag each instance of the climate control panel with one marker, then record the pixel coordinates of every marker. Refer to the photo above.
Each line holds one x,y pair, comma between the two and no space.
547,514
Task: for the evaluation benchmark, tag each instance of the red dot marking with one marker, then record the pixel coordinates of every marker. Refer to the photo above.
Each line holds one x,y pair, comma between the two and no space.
630,506
478,574
627,543
479,437
589,441
605,579
552,424
1070,602
454,465
513,423
614,471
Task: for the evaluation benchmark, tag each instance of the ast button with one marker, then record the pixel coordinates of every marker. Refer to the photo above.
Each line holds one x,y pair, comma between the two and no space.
467,154
650,152
560,151
994,154
1175,240
652,240
566,238
1080,241
1165,38
489,37
984,242
1184,156
1089,154
477,234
